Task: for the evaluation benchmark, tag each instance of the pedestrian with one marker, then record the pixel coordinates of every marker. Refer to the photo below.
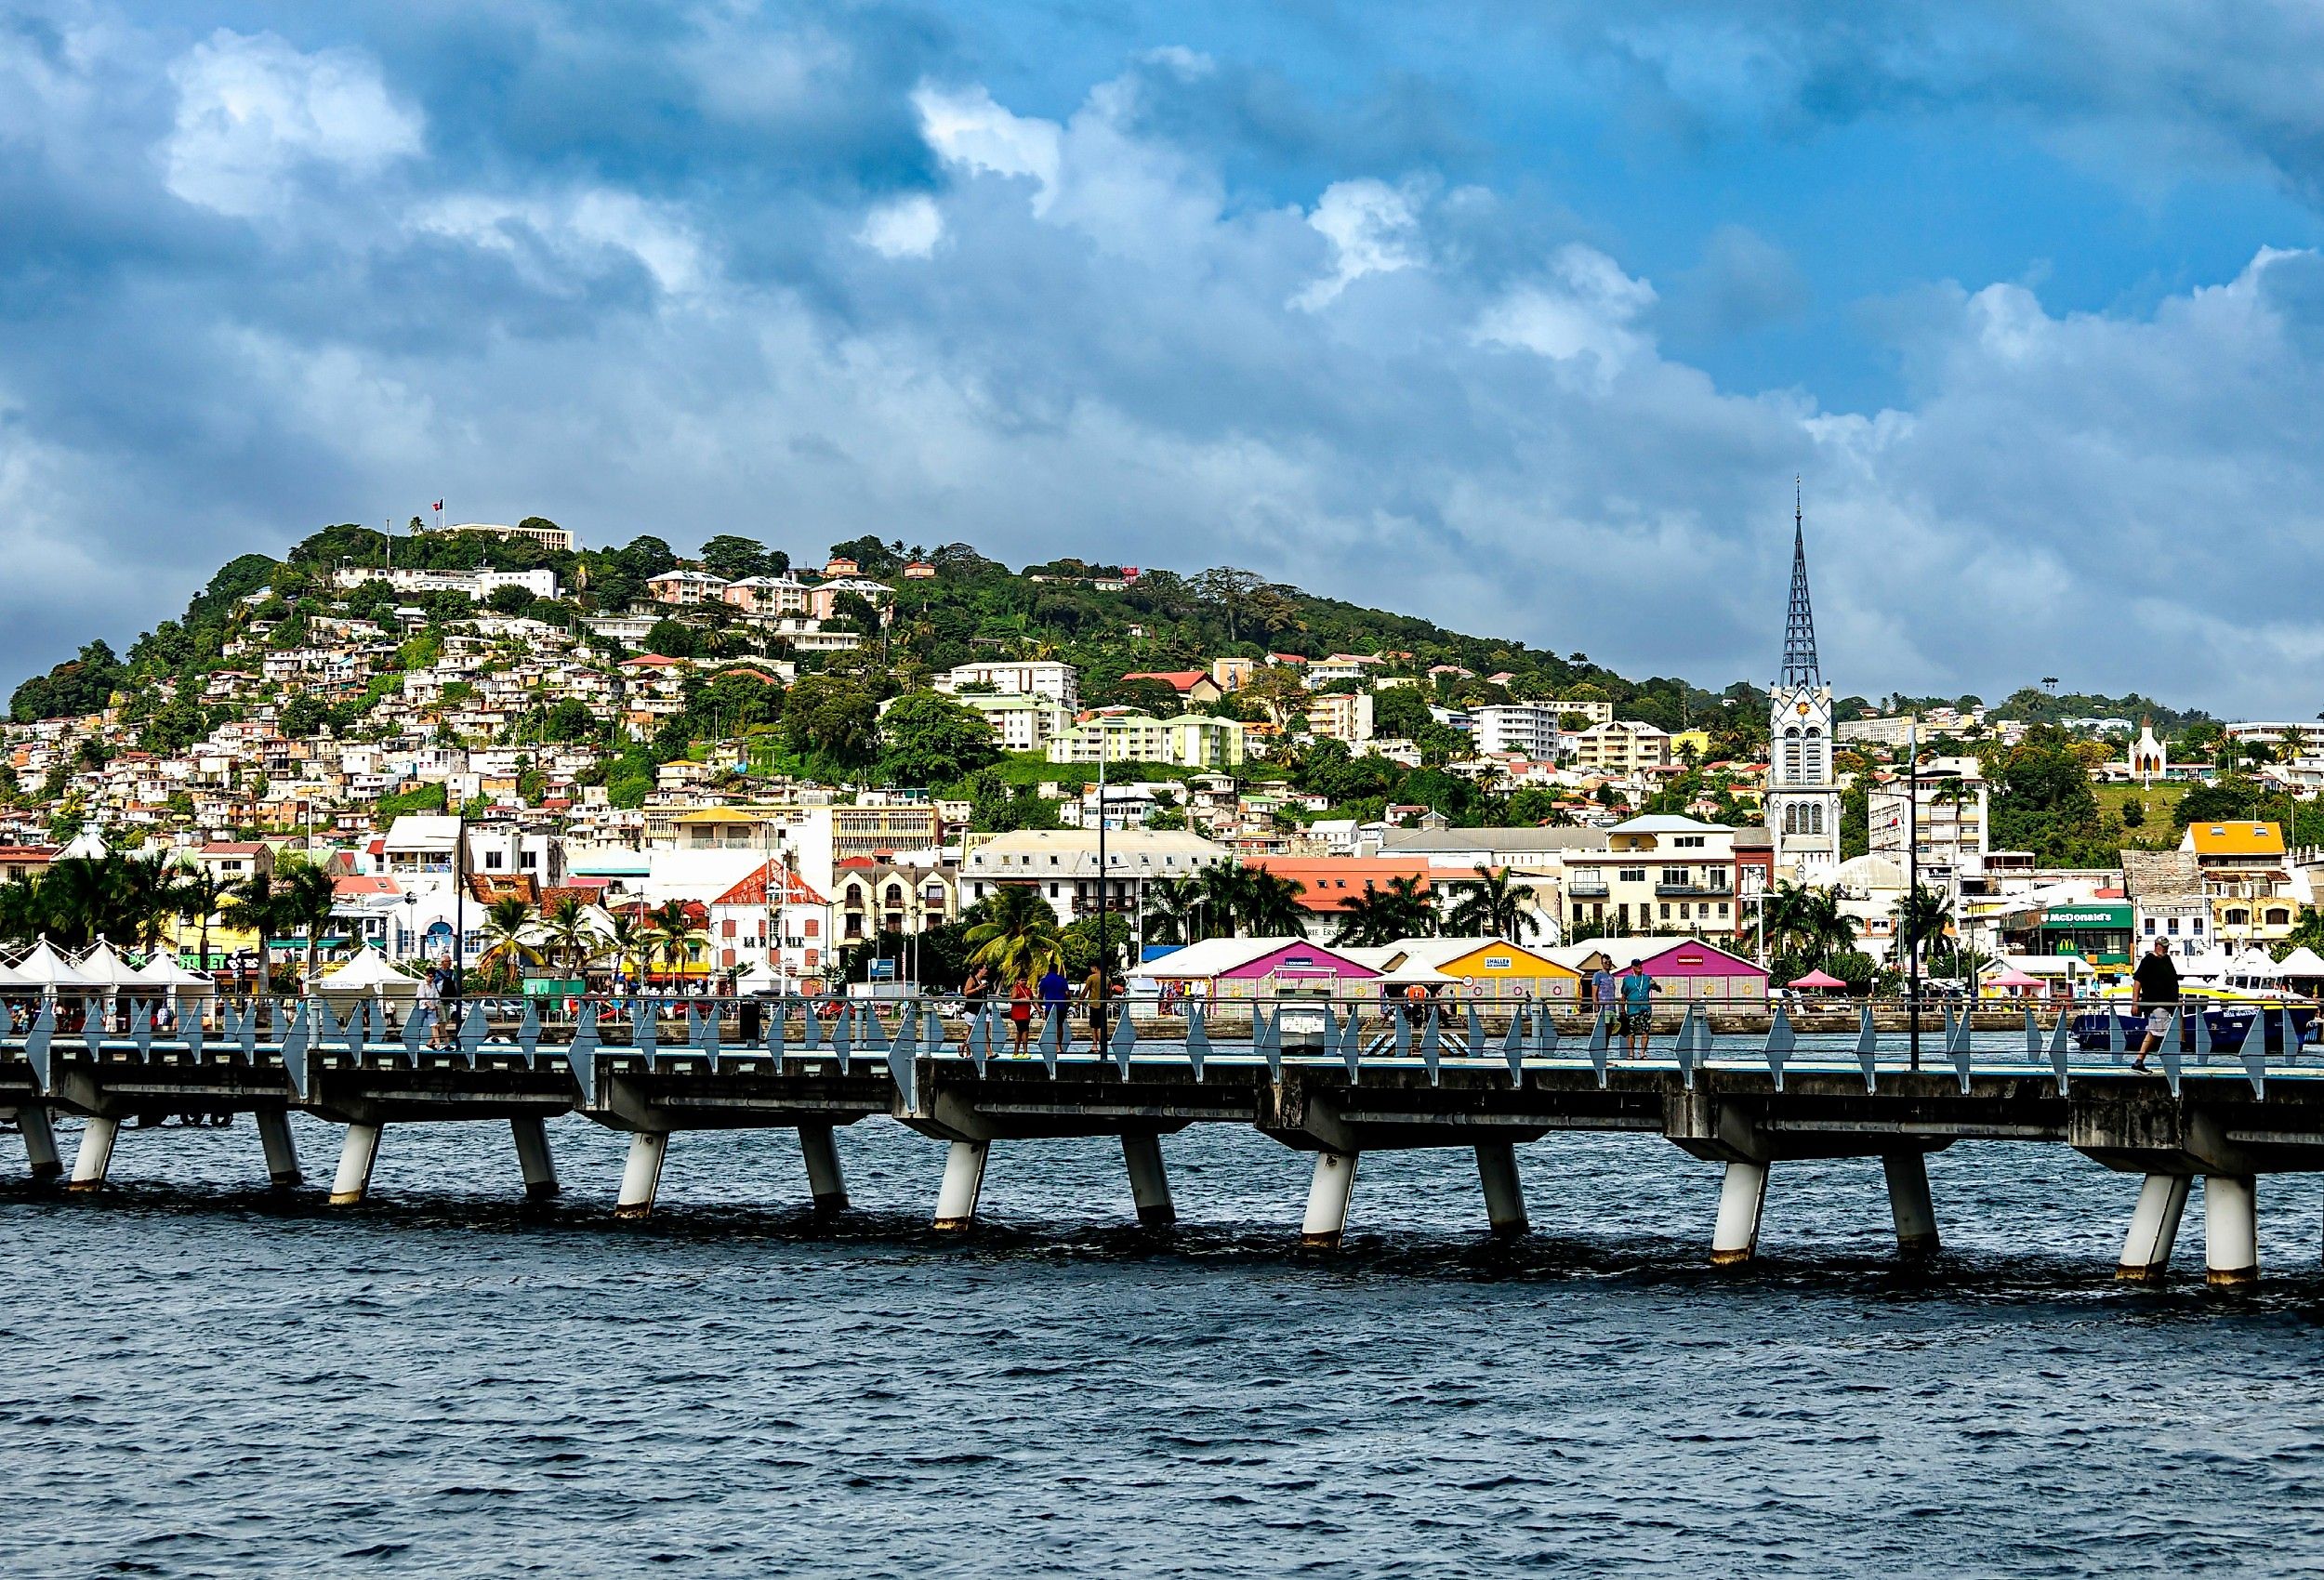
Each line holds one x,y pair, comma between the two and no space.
2155,991
1020,1013
976,991
429,1003
1638,1012
1093,1000
1055,991
1602,988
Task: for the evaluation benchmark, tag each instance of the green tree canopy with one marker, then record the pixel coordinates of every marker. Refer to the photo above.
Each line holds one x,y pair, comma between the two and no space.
928,739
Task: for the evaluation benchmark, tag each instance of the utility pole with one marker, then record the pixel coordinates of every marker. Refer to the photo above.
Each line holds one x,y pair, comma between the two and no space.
1104,742
1912,881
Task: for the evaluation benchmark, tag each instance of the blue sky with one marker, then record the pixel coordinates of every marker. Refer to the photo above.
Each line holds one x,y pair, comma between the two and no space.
1520,316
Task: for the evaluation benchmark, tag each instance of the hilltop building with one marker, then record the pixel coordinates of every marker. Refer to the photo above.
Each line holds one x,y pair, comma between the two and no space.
1803,801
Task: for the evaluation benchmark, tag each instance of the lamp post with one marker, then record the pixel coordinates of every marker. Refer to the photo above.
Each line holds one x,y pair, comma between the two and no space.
1912,882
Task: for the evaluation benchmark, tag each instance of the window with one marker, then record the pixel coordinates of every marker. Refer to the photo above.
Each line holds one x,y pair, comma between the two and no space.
1632,874
1666,910
2174,924
813,926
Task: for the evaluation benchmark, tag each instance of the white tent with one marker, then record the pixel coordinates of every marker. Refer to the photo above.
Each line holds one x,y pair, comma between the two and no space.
46,970
102,966
366,974
163,973
2303,963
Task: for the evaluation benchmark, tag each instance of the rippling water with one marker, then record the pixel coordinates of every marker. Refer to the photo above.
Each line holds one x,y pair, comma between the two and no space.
204,1380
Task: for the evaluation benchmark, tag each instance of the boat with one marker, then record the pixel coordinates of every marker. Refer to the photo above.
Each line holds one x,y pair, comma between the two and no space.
2230,995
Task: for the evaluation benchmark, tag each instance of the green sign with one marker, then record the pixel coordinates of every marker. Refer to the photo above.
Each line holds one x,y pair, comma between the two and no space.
554,987
2060,918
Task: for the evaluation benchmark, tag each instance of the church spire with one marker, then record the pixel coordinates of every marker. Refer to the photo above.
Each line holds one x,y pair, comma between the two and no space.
1799,634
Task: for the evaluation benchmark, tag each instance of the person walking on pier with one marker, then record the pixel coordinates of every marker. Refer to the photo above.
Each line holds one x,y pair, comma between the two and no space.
1020,1013
1093,998
1601,987
1638,1009
2154,992
1056,992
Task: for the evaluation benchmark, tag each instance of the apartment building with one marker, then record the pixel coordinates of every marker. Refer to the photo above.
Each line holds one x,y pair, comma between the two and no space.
1345,717
1058,682
1530,730
1190,741
1658,874
1620,748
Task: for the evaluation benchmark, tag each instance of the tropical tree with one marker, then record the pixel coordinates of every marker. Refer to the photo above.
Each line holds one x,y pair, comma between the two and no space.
1169,910
196,897
1919,915
1380,917
142,899
307,897
254,907
1017,939
629,941
23,912
1491,907
564,927
508,938
77,899
1808,922
671,926
1222,898
1271,904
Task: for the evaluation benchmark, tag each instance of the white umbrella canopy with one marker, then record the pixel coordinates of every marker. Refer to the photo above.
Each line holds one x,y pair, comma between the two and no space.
367,974
2301,962
163,972
103,965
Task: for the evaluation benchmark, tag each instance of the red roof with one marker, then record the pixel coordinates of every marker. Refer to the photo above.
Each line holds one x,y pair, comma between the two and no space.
1330,882
652,661
1287,658
228,847
356,884
752,890
1178,679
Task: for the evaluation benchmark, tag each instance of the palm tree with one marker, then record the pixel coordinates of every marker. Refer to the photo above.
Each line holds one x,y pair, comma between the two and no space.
1919,915
1169,913
307,897
1271,905
142,889
1807,921
1223,898
565,929
508,937
196,896
1491,907
673,927
255,907
78,896
23,910
1379,916
628,943
1018,939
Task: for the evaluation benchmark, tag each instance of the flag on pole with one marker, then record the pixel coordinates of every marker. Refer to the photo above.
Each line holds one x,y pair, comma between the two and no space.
439,506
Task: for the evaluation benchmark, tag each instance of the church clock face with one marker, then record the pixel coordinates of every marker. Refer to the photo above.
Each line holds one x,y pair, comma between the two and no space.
1801,709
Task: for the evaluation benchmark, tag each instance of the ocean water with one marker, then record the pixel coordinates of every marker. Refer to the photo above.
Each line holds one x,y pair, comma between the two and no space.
203,1380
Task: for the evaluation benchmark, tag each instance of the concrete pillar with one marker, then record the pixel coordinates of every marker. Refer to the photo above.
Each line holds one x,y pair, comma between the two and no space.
642,1175
40,1141
1327,1199
2231,1230
1504,1193
533,1156
1149,1181
2154,1229
357,1153
96,1154
820,1146
282,1151
964,1181
1908,1201
1741,1195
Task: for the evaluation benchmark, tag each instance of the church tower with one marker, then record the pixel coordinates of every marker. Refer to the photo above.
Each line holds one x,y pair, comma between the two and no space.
1803,802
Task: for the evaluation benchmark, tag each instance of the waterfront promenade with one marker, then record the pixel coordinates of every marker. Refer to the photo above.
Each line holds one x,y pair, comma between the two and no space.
1482,1078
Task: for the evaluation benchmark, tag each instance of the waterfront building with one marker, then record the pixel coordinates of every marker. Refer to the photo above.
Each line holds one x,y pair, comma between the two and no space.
1061,866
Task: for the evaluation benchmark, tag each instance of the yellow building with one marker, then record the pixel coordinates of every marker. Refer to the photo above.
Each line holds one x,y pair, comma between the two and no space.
1698,739
1488,968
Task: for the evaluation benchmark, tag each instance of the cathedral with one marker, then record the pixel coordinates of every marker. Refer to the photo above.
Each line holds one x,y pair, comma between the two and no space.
1803,802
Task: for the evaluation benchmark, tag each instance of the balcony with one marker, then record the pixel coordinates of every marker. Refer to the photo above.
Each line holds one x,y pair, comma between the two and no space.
1584,889
1695,890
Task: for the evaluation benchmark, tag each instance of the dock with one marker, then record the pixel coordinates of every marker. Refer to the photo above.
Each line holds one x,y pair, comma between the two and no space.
1484,1078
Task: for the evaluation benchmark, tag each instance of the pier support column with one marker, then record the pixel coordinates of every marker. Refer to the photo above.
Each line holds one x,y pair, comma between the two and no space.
357,1153
819,1145
2154,1229
1504,1193
964,1181
2231,1230
1741,1195
282,1151
1327,1199
1909,1203
96,1155
40,1141
534,1158
1149,1181
642,1174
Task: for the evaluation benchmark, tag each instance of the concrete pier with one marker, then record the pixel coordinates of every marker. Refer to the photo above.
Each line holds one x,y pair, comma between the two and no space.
357,1153
2231,1231
1909,1203
95,1156
282,1151
533,1155
642,1173
964,1181
1504,1191
1327,1198
1149,1181
2154,1229
40,1140
1742,1194
819,1145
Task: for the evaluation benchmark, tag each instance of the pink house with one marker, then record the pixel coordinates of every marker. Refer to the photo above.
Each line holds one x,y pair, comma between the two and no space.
1682,969
1255,967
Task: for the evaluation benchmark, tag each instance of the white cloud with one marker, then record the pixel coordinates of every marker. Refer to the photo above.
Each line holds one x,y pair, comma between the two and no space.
909,227
252,112
1585,309
1372,228
552,239
967,128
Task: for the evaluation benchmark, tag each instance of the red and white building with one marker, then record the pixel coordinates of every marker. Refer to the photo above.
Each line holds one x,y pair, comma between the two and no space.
772,921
